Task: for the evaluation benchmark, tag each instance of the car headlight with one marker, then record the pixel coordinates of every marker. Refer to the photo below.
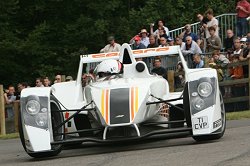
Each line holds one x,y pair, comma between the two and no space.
41,119
204,89
199,104
32,107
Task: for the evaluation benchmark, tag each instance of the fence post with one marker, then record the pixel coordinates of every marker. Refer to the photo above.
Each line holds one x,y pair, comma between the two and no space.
2,112
16,113
171,80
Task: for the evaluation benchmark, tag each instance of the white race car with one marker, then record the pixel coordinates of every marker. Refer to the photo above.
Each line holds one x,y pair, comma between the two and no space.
125,106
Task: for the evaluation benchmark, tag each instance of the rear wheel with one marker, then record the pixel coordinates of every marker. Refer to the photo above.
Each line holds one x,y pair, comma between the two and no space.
222,129
56,119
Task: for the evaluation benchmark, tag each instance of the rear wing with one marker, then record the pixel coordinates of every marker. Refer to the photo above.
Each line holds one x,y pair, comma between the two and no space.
126,53
150,52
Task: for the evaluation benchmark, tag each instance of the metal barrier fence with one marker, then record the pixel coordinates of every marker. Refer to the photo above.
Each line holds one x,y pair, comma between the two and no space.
226,21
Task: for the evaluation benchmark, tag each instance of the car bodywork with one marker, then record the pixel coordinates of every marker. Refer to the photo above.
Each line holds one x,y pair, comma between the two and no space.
123,108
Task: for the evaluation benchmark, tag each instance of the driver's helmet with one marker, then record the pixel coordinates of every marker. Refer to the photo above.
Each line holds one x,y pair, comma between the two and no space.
108,67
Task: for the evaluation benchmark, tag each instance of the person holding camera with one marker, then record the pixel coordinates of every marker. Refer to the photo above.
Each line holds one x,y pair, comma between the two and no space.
9,98
161,24
214,41
213,22
201,30
244,56
187,32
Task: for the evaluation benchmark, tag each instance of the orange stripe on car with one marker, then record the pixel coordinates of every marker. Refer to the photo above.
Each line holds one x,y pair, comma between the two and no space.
132,103
107,106
136,99
102,102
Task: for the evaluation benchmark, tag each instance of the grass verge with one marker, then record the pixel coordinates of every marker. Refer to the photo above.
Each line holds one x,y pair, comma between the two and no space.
9,136
238,115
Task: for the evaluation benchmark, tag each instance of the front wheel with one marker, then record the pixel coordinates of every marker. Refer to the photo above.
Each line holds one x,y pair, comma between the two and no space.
222,129
56,119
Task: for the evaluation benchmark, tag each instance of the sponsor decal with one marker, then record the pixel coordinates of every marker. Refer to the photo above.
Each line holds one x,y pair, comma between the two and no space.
217,123
114,54
119,116
200,123
102,55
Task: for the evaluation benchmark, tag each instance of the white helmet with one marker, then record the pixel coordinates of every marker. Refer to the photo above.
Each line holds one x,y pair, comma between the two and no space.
108,67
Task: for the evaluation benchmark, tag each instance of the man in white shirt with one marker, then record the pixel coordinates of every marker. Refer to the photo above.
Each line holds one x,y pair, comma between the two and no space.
237,47
213,22
112,46
189,49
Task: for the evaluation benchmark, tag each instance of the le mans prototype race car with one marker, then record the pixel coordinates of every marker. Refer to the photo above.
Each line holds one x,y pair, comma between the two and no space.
125,107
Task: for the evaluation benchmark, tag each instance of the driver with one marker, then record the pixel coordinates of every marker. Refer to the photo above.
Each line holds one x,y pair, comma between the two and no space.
108,68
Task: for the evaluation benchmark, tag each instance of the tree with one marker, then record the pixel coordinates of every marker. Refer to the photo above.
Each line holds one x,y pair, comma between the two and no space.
43,38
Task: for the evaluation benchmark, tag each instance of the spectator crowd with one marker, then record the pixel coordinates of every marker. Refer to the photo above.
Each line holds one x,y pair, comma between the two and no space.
204,49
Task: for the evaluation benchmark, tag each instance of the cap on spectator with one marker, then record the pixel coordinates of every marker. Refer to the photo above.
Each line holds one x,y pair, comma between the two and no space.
69,78
137,38
244,39
110,38
169,39
144,31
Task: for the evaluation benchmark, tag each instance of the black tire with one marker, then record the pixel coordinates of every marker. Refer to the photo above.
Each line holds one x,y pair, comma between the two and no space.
222,129
20,129
56,119
186,105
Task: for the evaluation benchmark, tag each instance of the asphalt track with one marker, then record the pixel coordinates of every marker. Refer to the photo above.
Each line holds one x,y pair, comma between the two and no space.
232,150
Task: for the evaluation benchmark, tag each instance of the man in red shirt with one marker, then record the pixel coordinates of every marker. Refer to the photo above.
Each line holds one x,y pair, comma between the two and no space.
243,11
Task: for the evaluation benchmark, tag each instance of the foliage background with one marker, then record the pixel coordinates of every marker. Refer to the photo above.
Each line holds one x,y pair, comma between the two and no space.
44,37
